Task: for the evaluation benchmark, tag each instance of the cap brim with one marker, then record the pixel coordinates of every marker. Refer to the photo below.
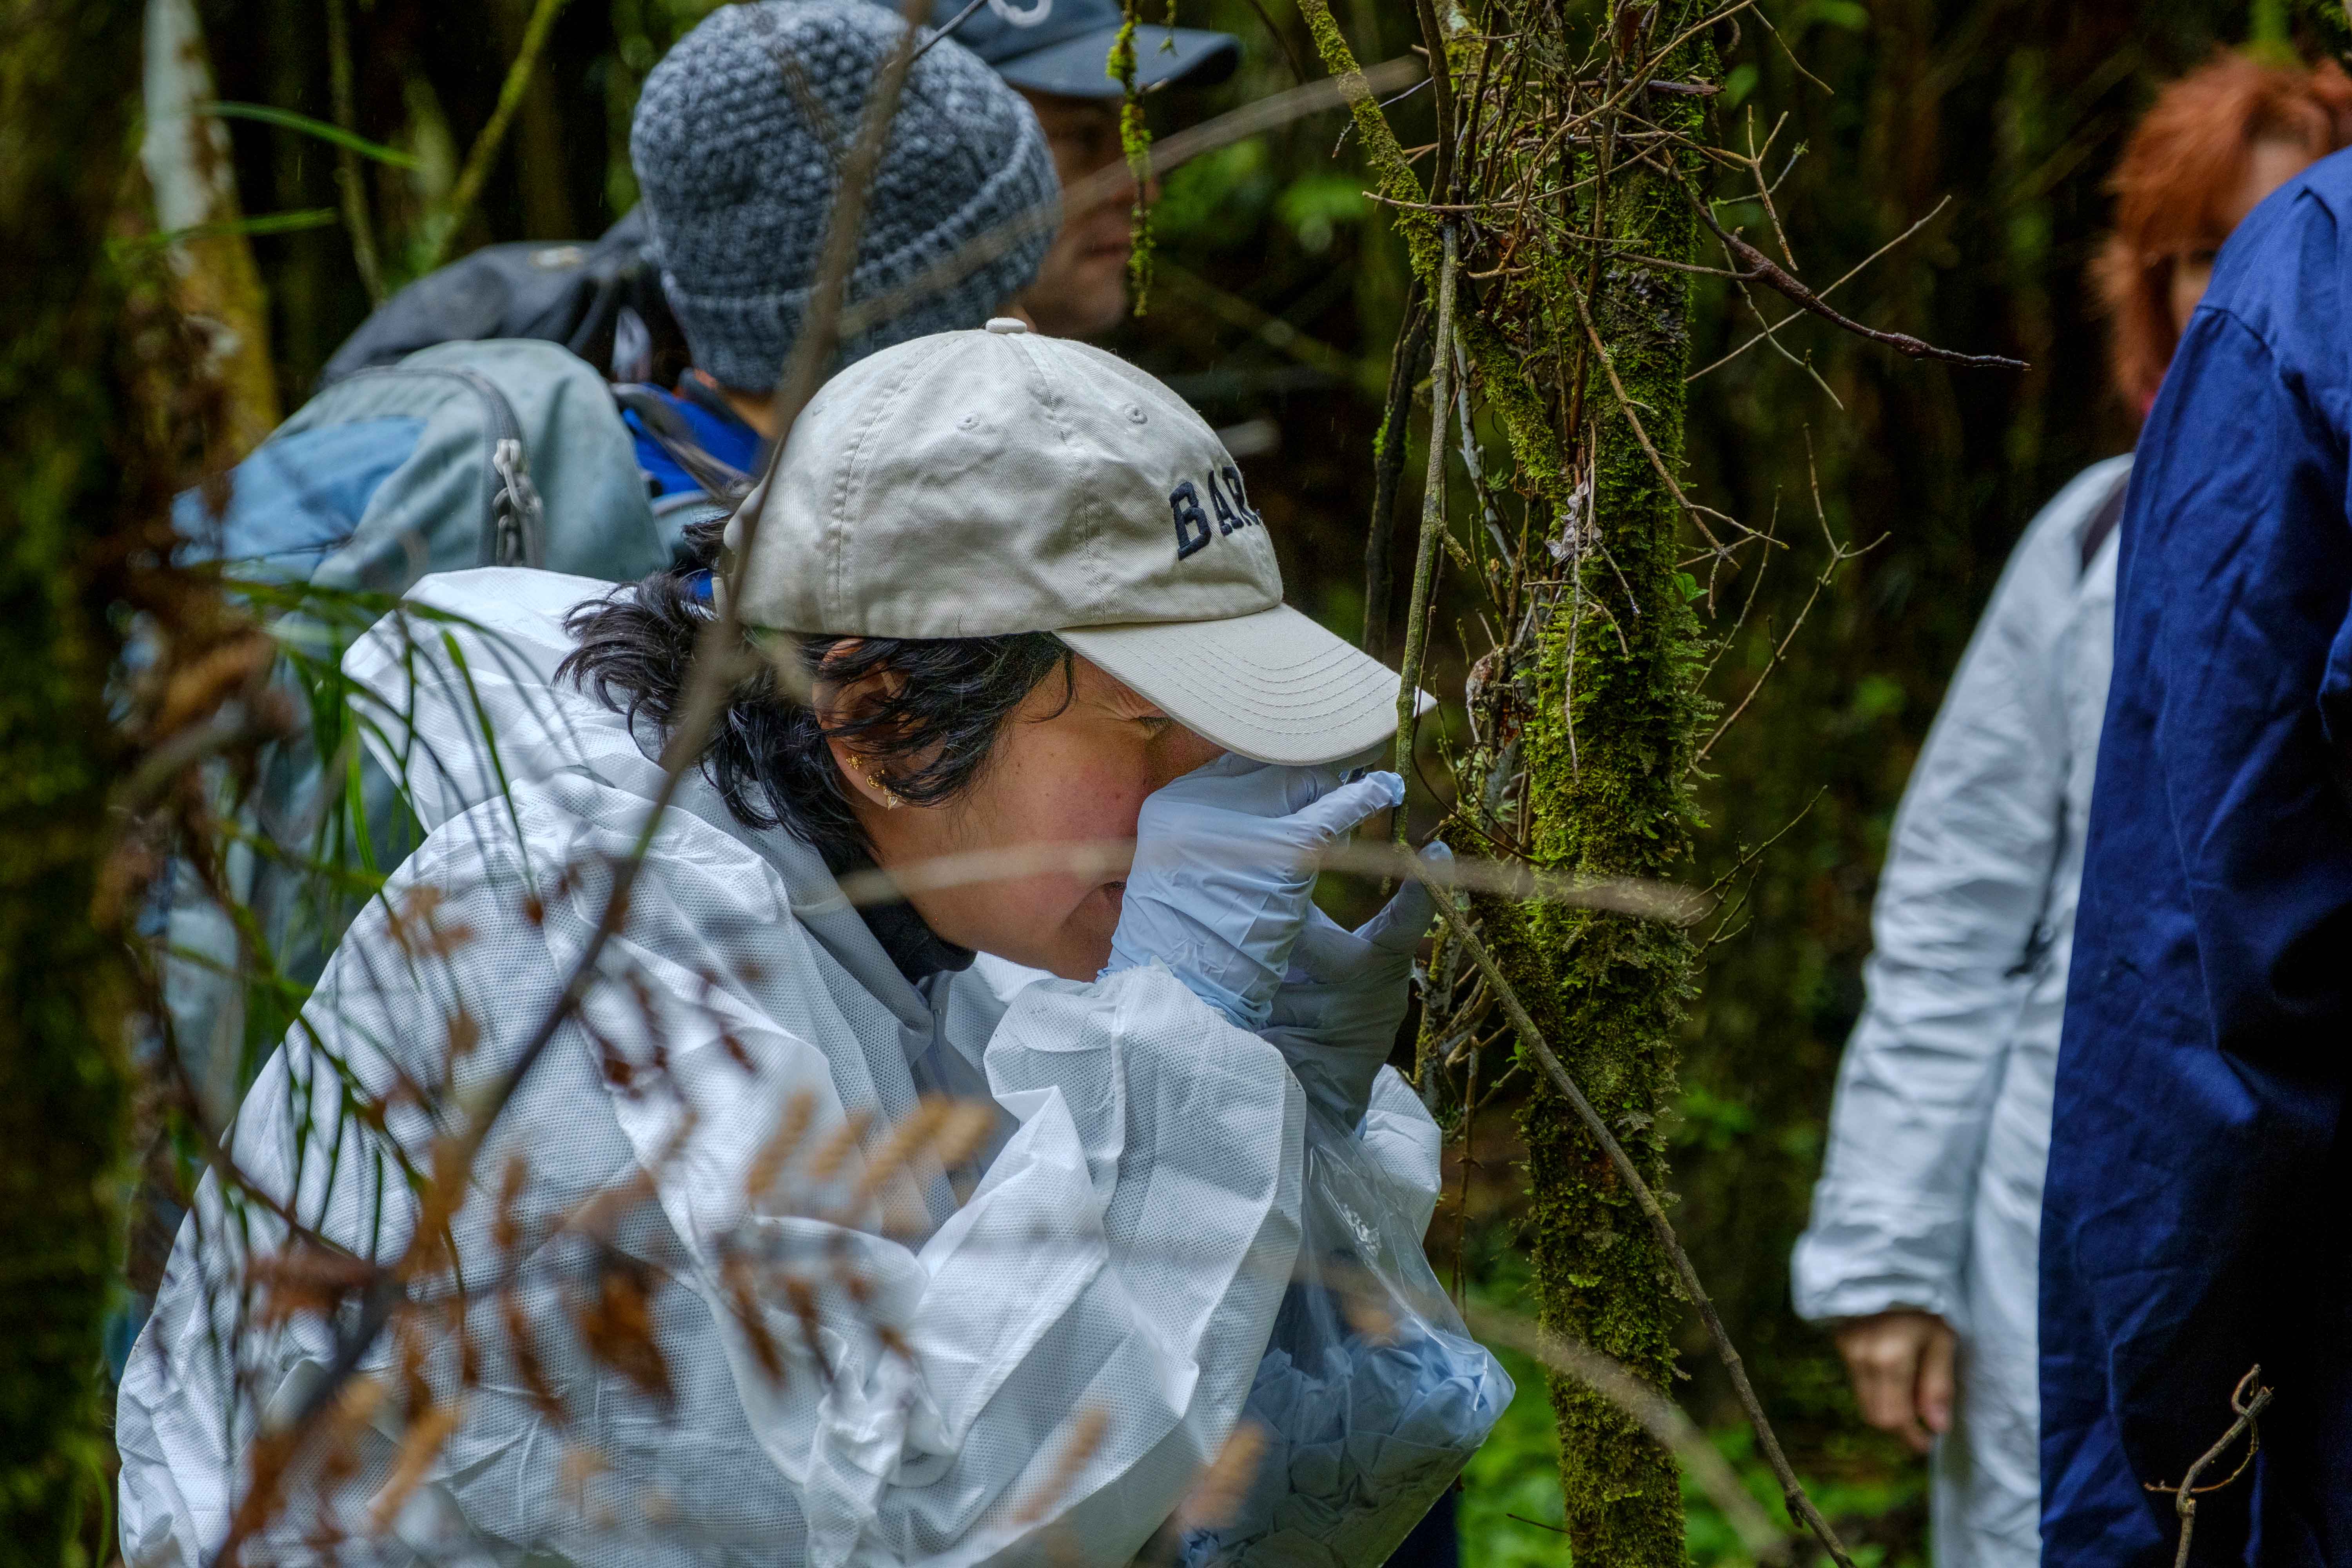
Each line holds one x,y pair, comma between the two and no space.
1273,686
1079,66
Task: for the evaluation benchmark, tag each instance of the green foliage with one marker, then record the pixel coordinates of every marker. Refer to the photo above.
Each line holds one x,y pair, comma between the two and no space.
1317,206
78,465
1509,1513
1215,201
286,120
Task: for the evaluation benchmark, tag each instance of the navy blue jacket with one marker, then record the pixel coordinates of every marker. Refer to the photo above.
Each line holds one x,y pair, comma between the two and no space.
2196,1219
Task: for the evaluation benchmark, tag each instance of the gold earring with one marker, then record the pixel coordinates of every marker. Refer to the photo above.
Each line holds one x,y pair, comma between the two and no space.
891,801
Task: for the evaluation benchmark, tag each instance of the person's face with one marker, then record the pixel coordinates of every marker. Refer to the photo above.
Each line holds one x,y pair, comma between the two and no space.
2269,165
1081,288
1074,773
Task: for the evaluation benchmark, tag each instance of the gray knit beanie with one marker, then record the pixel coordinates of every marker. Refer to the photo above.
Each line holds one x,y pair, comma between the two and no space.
738,135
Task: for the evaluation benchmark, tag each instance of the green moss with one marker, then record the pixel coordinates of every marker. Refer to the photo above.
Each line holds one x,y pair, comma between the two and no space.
75,464
1135,140
1607,756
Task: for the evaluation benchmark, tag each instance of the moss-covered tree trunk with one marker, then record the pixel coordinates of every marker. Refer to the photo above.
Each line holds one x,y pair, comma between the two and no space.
1573,322
1604,741
1606,747
77,475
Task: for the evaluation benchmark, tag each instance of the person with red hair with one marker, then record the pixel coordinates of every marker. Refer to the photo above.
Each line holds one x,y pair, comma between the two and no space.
2213,145
1922,1250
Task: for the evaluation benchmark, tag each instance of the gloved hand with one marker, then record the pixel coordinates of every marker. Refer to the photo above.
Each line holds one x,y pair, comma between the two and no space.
1335,1015
1224,868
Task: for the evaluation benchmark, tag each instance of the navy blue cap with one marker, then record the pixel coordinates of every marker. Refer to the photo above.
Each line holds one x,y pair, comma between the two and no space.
1063,46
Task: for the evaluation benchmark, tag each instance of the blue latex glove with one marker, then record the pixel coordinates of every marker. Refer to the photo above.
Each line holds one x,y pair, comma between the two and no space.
1336,1016
1224,871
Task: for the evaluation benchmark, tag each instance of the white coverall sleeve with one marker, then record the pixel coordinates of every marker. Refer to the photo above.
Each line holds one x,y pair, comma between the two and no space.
1061,1357
1362,1427
1121,1263
1963,890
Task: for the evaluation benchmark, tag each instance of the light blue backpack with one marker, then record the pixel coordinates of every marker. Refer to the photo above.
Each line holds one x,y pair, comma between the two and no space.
506,452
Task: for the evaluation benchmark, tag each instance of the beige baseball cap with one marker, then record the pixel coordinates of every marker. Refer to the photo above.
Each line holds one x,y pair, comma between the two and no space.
984,483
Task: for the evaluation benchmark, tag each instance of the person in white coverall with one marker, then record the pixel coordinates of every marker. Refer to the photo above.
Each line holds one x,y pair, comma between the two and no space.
1922,1246
1033,608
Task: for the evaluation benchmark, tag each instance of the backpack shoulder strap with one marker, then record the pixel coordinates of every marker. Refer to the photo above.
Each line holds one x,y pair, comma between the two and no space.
721,479
2103,522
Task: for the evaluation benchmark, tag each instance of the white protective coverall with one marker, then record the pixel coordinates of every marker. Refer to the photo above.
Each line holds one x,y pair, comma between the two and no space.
1930,1196
1121,1260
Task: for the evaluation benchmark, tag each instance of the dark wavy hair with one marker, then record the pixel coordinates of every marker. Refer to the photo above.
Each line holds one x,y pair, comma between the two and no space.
926,738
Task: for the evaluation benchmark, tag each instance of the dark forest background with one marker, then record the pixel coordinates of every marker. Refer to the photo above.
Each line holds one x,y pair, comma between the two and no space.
1278,291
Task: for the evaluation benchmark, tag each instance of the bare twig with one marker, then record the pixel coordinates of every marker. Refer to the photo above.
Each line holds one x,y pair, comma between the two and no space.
1764,269
1801,1505
1432,517
2185,1496
1282,40
947,28
1839,553
1847,277
1388,467
1098,859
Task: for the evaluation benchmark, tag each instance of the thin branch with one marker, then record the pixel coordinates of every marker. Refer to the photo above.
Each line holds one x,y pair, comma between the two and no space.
1764,269
1433,516
485,151
2184,1497
347,163
1388,469
1849,275
1442,183
1671,902
1755,156
1282,40
1764,17
949,27
1839,555
1800,1505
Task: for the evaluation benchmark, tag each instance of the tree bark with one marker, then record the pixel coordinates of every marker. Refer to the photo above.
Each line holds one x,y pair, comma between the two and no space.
81,480
1606,746
1590,716
189,169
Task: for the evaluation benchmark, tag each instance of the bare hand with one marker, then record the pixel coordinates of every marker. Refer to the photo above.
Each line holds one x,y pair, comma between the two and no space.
1901,1364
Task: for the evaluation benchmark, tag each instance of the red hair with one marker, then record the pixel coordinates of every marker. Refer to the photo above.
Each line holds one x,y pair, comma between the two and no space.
2183,165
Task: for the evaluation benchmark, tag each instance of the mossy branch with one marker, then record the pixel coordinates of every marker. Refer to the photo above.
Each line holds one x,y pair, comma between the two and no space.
1501,380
